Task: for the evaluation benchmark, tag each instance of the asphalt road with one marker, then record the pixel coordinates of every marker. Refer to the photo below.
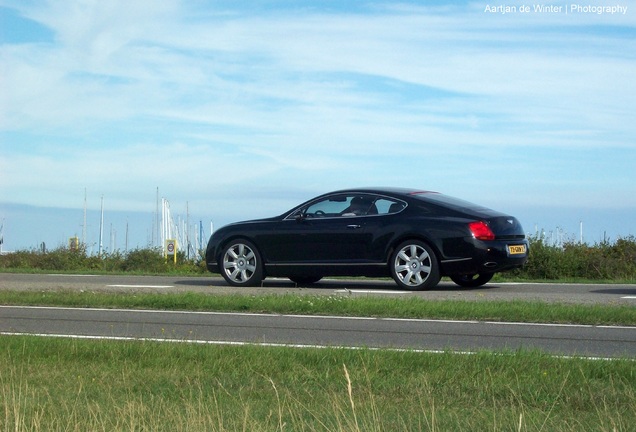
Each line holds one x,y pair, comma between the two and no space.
595,341
562,293
211,327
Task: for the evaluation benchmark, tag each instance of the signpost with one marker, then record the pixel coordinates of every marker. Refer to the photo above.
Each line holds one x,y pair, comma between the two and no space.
171,250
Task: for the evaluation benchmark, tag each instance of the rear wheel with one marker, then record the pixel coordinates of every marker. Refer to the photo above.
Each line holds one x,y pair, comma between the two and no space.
241,264
472,280
414,266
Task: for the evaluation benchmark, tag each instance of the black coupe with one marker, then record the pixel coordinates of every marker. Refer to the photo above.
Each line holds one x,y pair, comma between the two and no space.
414,236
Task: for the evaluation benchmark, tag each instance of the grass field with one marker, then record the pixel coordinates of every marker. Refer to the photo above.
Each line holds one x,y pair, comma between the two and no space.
75,385
51,384
413,307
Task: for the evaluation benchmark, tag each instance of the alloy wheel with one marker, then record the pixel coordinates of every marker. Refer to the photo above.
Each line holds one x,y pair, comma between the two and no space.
415,266
241,264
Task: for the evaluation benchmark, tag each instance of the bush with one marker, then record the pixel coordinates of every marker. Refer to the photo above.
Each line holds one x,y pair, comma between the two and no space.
76,260
601,261
151,260
62,259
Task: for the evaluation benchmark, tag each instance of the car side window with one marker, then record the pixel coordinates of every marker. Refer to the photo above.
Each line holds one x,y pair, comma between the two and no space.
352,205
332,206
388,206
360,205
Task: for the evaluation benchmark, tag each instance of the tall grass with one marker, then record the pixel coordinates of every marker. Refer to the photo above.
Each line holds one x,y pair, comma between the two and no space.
60,384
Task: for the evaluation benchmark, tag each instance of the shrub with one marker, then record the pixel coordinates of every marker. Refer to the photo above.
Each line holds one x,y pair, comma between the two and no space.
150,260
601,261
63,259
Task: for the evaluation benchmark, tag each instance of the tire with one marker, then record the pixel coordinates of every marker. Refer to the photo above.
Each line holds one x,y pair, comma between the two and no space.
472,280
414,266
241,264
305,280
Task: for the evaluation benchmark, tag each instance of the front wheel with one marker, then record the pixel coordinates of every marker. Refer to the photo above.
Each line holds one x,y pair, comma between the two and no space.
472,280
414,266
241,264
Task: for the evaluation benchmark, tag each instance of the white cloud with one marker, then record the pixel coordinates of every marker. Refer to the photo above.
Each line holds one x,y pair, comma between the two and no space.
205,102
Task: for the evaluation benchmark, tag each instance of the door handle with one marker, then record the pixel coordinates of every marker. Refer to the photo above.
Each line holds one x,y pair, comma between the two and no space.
353,226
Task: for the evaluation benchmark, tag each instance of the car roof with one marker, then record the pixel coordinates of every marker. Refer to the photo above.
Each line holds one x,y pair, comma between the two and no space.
396,190
412,194
386,190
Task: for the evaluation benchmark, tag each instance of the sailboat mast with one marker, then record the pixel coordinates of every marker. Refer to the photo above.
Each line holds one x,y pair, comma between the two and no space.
101,228
84,225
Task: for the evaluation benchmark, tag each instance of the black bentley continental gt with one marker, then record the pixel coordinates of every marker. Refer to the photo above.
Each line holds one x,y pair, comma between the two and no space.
414,236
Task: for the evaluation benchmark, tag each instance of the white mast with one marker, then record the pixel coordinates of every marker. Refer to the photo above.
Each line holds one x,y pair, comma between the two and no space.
101,227
581,231
158,229
84,226
186,234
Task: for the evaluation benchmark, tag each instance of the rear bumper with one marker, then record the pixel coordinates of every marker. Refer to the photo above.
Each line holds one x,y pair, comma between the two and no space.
489,257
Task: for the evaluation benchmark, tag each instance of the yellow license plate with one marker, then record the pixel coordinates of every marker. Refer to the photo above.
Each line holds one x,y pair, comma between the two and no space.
516,249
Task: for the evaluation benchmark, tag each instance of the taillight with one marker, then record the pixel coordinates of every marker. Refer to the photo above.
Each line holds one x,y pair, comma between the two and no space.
481,230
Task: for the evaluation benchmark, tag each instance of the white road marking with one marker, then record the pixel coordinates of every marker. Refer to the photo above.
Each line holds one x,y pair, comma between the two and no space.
629,297
141,286
265,344
237,343
204,342
334,317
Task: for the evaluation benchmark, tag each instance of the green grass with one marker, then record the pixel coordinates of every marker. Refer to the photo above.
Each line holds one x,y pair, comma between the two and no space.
49,384
62,384
515,311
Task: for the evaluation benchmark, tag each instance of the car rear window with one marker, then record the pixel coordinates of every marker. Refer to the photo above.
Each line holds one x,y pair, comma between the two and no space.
448,201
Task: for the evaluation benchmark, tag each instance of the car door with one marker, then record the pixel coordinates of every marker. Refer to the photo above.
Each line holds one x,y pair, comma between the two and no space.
321,232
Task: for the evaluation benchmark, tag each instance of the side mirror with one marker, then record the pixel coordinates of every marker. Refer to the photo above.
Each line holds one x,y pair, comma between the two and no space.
300,216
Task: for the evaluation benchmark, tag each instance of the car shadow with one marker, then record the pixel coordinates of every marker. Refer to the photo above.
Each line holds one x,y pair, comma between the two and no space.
201,282
328,284
616,291
368,285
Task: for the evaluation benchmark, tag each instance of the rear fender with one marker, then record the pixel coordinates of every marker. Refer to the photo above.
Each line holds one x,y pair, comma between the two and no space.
401,239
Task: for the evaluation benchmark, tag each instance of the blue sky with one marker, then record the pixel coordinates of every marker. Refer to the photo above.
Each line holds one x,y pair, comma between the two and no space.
243,109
